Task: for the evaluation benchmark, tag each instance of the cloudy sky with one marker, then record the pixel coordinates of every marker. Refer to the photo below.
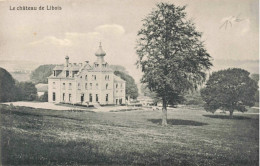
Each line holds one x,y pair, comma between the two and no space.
76,30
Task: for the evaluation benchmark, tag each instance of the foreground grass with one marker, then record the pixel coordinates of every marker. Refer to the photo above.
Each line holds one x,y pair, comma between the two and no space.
193,137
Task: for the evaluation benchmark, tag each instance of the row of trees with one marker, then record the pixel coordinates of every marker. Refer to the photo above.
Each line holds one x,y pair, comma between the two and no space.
174,60
12,90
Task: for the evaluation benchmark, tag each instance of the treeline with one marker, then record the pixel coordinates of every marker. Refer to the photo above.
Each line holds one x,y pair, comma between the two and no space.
12,90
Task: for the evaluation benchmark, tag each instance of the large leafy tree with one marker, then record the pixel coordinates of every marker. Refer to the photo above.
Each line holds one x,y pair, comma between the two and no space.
255,77
171,54
229,90
26,91
7,86
131,87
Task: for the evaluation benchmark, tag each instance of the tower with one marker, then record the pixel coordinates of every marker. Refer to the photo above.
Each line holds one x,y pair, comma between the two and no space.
100,55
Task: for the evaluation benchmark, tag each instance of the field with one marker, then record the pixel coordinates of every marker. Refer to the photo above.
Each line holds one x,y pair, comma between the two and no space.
193,137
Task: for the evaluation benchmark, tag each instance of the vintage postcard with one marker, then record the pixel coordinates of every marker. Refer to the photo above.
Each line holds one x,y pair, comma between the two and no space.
129,82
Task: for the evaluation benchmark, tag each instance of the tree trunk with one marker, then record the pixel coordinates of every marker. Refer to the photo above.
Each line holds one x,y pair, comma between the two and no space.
164,114
231,114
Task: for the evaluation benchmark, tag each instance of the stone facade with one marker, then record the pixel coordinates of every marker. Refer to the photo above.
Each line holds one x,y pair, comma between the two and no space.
86,84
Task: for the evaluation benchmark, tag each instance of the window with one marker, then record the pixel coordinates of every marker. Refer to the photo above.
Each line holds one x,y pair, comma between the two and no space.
94,77
69,97
67,73
63,96
90,86
53,85
96,97
116,85
121,91
82,98
53,96
121,85
86,77
90,97
70,86
96,65
79,86
96,85
63,86
106,86
54,73
106,77
106,97
86,86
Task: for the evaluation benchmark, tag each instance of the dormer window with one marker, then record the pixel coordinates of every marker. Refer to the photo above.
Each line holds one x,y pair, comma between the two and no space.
96,65
54,73
67,73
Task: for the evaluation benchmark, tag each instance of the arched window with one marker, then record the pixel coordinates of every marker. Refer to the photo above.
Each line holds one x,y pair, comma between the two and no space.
90,97
96,97
53,96
106,97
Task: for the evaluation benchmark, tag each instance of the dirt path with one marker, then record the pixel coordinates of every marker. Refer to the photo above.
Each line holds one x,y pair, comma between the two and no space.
52,106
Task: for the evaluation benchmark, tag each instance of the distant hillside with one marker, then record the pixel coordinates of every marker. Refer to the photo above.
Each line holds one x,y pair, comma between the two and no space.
14,65
21,76
250,65
41,73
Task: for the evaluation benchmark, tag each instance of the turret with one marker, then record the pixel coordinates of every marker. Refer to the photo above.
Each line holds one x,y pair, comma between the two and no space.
67,61
100,55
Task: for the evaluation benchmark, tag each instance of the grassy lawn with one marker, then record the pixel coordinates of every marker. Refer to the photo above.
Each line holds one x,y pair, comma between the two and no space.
193,137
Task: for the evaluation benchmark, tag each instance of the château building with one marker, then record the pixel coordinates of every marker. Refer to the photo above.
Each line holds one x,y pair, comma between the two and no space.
86,84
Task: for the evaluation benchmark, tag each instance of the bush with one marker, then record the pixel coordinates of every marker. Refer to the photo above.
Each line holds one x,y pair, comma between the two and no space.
7,86
44,97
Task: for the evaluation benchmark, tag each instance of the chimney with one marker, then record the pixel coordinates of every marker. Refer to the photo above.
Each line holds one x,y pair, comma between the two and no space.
67,61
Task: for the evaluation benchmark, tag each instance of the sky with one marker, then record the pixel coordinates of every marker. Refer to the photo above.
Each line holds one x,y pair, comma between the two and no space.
47,36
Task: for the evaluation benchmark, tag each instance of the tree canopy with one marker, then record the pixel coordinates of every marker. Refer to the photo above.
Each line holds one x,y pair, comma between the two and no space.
7,86
41,73
171,54
26,91
118,68
131,87
229,90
